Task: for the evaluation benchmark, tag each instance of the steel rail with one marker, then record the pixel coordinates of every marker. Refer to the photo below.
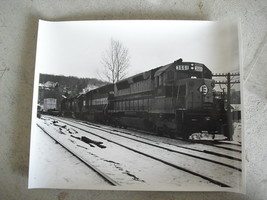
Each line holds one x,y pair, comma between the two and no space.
197,150
99,172
155,158
98,127
175,151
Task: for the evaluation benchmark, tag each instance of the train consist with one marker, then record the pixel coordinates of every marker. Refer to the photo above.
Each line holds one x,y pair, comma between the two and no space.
177,99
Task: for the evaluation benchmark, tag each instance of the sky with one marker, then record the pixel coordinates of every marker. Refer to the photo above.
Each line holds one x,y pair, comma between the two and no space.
76,48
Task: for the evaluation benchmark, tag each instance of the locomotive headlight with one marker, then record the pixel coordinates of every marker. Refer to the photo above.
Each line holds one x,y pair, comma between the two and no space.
207,118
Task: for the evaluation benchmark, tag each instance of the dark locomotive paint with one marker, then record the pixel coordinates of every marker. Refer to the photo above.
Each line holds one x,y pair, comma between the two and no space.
178,99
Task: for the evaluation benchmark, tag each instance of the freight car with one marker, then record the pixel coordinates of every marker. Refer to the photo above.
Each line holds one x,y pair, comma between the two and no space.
50,106
176,99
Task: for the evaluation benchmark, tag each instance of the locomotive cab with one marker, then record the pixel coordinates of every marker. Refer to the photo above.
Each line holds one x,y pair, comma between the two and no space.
197,108
195,94
186,89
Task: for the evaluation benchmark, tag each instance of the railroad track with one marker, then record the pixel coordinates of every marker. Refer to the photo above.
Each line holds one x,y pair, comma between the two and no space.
216,144
157,146
104,176
91,125
117,132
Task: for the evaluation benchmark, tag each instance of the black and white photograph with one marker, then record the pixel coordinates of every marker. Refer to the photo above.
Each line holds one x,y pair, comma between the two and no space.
137,105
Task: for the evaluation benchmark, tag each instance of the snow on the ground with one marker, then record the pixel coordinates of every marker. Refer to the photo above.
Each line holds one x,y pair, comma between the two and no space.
52,166
200,147
218,142
226,175
237,132
220,139
126,167
205,136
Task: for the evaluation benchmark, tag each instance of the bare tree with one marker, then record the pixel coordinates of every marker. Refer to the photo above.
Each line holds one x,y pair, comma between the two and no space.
116,61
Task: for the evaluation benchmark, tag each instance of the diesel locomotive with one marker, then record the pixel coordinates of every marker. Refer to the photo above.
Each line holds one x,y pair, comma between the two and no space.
177,99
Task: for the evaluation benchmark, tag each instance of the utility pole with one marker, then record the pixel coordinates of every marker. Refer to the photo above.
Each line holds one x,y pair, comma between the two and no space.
229,83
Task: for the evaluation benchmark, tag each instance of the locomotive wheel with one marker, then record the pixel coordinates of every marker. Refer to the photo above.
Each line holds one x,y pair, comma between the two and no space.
185,133
172,134
224,130
152,128
167,131
148,125
158,130
182,131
